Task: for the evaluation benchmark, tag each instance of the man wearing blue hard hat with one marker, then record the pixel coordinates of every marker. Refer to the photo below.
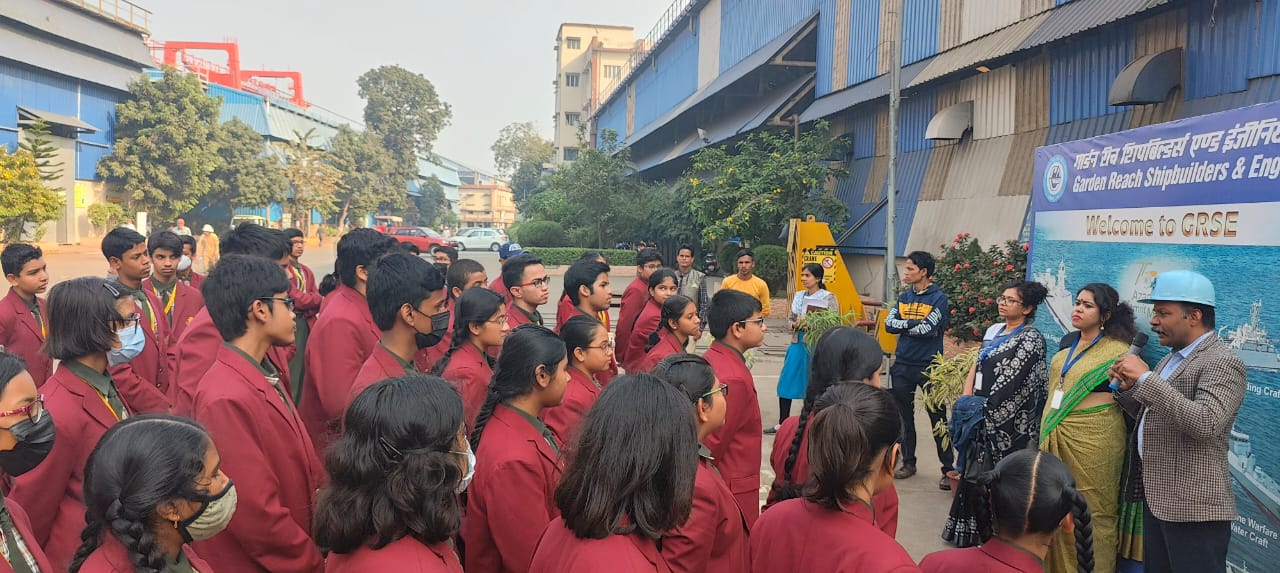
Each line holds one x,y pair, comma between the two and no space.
507,250
1185,408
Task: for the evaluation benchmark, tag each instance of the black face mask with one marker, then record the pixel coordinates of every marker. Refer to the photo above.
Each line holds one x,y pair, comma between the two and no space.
439,327
35,440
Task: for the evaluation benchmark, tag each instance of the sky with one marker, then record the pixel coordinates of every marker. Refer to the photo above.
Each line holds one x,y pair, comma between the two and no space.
491,60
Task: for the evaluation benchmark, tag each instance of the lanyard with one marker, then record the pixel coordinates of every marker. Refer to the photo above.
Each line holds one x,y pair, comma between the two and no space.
997,341
168,305
1069,362
302,283
103,397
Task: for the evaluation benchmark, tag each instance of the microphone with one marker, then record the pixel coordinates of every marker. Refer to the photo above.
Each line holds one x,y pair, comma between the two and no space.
1135,348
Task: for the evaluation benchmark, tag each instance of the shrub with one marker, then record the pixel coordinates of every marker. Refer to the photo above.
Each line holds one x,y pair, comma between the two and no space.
567,255
971,277
771,267
542,234
104,216
727,256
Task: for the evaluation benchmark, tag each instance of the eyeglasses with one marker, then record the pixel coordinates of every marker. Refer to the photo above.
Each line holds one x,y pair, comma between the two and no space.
1007,300
34,410
606,346
126,322
287,300
538,282
723,388
759,321
652,266
500,321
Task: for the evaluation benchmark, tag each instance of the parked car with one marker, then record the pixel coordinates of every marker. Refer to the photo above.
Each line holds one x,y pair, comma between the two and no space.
422,238
479,239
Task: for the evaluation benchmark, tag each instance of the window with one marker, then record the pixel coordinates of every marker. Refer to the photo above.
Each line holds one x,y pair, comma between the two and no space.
571,154
571,80
573,43
572,118
613,72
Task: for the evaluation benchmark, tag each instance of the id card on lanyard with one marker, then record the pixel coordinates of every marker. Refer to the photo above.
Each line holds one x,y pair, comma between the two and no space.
1071,360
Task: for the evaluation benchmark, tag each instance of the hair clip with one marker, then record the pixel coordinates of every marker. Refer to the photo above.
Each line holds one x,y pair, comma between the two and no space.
392,453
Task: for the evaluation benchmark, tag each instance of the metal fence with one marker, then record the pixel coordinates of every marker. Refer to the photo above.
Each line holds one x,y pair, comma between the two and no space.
674,13
121,12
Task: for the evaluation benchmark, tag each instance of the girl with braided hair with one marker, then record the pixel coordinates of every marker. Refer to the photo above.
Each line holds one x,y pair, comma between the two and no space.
853,447
590,352
663,284
714,539
842,355
518,461
679,325
479,322
1028,499
153,485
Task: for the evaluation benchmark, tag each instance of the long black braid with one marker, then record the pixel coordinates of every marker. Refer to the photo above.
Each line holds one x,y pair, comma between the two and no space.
527,348
1084,531
1031,491
476,306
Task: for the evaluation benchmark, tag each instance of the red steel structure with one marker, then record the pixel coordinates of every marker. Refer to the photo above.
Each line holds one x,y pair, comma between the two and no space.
178,54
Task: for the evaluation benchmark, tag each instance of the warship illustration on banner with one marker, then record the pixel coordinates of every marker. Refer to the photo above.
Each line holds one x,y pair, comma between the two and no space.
1250,341
1059,298
1256,482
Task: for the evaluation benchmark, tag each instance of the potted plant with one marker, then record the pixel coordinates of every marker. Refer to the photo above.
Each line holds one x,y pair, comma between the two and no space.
946,377
818,322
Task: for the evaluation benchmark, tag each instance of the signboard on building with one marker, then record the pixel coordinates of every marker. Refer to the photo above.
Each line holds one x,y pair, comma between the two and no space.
1199,194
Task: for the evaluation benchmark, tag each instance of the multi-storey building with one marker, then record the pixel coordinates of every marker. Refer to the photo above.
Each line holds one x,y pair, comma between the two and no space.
590,62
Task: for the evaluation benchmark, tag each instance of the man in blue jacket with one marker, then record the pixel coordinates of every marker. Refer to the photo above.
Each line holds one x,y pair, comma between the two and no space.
919,319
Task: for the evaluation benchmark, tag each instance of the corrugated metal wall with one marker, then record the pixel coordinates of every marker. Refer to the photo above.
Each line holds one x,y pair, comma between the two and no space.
864,41
1152,36
911,172
87,157
920,30
994,96
1264,49
913,118
981,17
827,48
971,201
246,107
668,79
747,25
98,108
9,140
613,117
1218,32
949,12
20,85
1031,110
864,130
1081,73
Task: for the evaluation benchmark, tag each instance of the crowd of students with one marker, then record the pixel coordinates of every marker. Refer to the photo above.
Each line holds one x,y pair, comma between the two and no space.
437,425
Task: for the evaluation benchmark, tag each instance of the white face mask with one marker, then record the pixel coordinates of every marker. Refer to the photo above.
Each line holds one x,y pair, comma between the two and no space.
471,470
212,517
184,263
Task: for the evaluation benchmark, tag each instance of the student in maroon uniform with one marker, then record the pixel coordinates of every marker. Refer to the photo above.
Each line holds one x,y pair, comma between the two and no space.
344,335
635,296
244,401
1032,496
479,322
679,324
735,322
25,445
463,274
178,303
84,326
590,352
23,318
507,251
592,272
843,355
852,449
714,539
518,458
146,371
153,485
306,306
406,299
186,265
403,450
662,285
630,480
142,396
529,288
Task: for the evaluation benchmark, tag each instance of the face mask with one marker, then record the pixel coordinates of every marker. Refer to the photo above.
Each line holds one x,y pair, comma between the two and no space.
35,440
132,341
471,470
213,516
439,327
184,263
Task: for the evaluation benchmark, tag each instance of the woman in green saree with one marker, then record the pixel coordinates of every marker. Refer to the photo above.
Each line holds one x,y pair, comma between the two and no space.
1085,427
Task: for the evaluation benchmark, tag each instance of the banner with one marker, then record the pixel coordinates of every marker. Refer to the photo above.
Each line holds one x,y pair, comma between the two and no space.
1198,194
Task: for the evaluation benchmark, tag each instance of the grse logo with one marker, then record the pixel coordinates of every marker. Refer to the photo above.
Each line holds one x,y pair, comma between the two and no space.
1055,178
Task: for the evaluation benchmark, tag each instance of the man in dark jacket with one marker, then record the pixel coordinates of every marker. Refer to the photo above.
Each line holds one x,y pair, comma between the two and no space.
919,319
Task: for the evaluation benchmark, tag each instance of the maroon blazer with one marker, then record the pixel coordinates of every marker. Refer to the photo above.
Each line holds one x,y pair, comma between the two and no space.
516,317
798,535
190,359
736,445
994,556
342,339
564,311
496,285
20,335
379,366
560,551
633,300
469,372
885,502
646,324
112,557
52,493
579,396
405,555
22,523
667,345
186,305
266,451
512,497
714,540
305,294
144,381
195,281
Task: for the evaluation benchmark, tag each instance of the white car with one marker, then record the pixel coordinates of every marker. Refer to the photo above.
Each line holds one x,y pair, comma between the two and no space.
478,239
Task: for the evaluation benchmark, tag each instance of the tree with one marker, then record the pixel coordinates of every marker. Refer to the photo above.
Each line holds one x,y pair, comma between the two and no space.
35,140
166,148
246,176
768,178
601,185
313,180
104,216
23,196
403,110
432,205
370,176
519,154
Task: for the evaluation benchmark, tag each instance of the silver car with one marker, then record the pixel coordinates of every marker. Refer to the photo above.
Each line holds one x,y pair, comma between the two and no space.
478,239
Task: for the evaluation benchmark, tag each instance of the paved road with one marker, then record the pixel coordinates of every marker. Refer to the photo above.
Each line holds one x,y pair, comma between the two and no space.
923,506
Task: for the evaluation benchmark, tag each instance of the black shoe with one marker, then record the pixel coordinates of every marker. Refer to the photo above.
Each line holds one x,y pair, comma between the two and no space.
772,429
904,472
944,484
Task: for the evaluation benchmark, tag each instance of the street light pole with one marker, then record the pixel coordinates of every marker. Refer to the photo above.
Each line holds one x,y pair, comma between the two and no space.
891,187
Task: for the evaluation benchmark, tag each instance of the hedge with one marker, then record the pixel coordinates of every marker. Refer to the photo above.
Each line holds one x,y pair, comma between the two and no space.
567,255
542,234
771,267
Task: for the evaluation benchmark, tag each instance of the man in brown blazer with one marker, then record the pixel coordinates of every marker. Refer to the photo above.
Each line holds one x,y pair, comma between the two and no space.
1185,408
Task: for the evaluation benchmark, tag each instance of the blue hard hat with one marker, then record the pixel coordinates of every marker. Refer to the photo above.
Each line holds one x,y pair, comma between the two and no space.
1181,286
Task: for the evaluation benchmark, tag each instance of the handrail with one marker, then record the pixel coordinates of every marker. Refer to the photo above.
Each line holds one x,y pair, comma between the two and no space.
122,12
673,15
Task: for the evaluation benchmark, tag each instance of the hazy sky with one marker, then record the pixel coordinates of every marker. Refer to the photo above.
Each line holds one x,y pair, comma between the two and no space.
492,60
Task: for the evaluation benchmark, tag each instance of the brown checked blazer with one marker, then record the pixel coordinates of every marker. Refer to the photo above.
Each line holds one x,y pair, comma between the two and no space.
1188,422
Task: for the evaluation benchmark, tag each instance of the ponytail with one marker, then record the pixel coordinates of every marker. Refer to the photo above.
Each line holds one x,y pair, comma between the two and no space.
672,309
476,306
525,349
328,284
1084,531
817,271
579,332
1031,491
